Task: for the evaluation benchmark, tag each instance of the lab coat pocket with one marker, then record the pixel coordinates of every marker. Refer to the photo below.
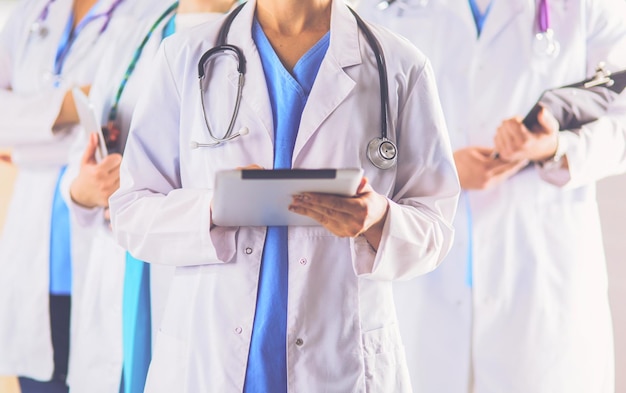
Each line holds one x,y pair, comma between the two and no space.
167,369
385,362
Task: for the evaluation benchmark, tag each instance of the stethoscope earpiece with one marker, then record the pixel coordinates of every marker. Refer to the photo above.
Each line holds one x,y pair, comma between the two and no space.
382,153
545,44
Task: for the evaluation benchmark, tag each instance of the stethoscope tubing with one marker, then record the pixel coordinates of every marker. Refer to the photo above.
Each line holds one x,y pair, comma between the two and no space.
383,155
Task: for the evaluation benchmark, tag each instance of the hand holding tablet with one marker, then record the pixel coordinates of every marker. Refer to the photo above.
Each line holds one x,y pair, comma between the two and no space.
89,121
249,197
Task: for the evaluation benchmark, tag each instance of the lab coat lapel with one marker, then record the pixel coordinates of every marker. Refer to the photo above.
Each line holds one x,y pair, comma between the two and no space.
500,15
332,85
462,10
255,95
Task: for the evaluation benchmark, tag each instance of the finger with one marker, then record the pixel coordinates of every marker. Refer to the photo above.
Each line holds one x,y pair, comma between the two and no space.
5,157
484,151
510,137
89,155
328,202
336,223
500,147
510,140
111,162
546,120
507,167
253,166
362,185
86,89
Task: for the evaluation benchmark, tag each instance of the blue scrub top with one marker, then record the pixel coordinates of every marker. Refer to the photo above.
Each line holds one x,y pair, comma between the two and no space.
267,364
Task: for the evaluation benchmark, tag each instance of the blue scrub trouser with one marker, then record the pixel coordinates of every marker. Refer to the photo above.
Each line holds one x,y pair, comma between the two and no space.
60,327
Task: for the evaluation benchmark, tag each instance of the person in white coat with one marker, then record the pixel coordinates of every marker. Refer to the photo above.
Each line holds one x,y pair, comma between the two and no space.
520,304
106,339
46,48
337,329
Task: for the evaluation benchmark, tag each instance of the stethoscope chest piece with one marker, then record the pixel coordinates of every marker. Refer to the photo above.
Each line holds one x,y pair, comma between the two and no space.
545,44
382,152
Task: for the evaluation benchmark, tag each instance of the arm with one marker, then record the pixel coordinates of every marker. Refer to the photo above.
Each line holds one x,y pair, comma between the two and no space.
152,215
597,149
19,123
417,231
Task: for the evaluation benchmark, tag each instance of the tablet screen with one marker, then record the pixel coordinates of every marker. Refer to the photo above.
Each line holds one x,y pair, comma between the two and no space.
248,197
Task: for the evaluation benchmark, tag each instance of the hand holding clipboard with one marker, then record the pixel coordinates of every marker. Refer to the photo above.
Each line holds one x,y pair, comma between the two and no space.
580,103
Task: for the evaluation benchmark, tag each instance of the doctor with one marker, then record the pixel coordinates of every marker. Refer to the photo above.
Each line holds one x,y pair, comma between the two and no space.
328,323
123,299
520,304
47,47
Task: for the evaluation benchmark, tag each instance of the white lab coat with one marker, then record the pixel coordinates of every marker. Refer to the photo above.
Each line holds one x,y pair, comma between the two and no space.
30,105
98,355
537,317
340,299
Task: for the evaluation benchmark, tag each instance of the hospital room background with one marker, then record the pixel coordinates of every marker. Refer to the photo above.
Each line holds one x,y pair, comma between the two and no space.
611,196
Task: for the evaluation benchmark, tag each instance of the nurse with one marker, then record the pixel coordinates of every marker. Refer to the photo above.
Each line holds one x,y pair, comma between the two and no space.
299,309
46,48
123,298
520,304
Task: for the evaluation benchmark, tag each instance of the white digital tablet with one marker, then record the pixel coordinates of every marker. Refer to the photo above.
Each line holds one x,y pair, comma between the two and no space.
89,120
246,197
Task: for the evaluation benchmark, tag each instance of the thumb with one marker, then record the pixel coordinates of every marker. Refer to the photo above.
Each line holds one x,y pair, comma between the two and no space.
89,155
547,121
363,186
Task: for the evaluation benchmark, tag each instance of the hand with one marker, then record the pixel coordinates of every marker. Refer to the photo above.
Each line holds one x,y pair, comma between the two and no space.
67,113
96,181
513,141
6,158
362,214
253,166
479,170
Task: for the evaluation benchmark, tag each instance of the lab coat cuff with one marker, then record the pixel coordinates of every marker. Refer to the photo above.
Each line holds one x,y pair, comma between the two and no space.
363,256
412,244
85,216
222,240
554,172
365,259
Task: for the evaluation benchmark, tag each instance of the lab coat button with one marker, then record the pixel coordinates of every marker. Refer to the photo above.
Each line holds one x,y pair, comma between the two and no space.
238,330
303,261
248,250
299,342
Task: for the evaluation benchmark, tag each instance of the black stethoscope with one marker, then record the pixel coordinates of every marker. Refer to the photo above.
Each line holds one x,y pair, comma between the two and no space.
381,151
545,42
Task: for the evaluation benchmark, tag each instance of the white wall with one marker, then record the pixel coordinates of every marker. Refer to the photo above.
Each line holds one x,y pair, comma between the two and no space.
5,8
612,198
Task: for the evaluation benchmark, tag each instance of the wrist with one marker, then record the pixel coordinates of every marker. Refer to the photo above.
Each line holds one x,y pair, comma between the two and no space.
556,159
78,198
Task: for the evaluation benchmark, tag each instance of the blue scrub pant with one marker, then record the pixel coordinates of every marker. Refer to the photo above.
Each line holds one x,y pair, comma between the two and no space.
60,327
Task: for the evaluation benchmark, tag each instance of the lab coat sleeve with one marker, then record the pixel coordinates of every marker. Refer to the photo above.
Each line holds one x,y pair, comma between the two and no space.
598,149
153,217
418,231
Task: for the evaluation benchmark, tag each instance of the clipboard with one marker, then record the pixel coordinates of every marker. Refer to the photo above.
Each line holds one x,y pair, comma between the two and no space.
248,197
89,121
580,103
